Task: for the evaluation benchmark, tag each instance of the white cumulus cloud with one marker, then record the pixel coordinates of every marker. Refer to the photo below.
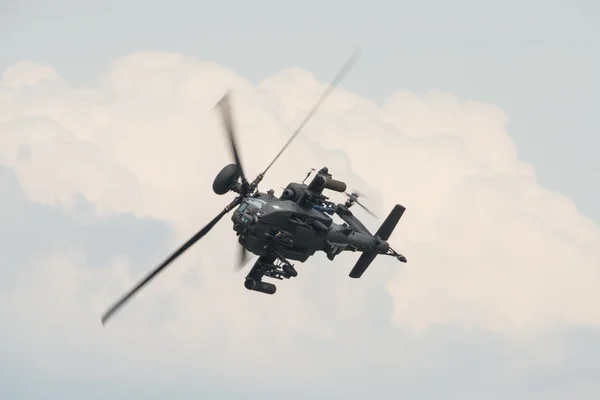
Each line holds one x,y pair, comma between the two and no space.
487,246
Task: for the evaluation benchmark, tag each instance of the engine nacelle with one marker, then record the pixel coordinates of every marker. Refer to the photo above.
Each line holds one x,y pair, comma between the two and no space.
335,185
317,184
323,180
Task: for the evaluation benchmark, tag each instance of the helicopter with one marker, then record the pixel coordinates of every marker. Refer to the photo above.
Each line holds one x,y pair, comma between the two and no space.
289,227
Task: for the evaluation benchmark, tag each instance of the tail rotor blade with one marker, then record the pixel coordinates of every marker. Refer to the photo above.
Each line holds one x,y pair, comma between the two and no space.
367,210
353,199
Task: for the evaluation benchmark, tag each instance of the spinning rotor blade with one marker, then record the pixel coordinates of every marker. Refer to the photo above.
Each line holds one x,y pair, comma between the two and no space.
366,209
354,198
224,105
243,257
336,81
116,306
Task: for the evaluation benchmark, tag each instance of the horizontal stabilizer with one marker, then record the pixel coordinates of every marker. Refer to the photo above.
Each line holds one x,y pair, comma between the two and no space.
384,232
388,226
362,264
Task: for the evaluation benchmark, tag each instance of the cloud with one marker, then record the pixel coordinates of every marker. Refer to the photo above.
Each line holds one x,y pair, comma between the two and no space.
109,178
27,73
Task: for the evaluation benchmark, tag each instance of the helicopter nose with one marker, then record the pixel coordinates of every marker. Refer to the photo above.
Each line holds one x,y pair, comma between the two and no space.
243,223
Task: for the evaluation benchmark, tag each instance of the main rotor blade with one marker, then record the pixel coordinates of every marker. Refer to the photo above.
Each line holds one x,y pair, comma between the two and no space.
224,105
336,81
116,306
242,257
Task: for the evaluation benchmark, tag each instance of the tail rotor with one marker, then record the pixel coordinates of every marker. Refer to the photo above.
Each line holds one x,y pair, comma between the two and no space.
353,199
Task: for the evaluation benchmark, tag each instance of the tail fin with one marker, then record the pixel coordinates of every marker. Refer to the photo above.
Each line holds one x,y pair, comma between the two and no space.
384,232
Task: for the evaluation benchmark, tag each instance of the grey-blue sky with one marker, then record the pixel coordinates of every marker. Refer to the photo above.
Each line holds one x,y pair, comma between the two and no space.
31,226
29,230
534,59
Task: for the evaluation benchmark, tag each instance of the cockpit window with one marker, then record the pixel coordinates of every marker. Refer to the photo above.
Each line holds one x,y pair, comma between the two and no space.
243,207
255,203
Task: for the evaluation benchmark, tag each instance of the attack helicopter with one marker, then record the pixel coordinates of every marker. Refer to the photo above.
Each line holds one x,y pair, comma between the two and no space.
289,227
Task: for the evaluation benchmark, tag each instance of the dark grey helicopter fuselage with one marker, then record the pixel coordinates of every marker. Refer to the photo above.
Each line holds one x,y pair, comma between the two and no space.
296,228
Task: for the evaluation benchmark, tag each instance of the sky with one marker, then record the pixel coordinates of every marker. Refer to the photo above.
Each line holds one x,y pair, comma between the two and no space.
479,119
